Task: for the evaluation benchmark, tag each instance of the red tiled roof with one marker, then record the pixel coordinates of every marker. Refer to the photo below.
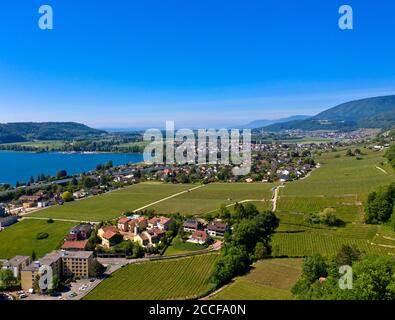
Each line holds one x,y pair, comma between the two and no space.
108,234
153,220
217,226
158,232
200,235
123,220
109,228
80,245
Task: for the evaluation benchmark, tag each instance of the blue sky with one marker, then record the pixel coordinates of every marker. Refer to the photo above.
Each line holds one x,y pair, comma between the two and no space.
199,62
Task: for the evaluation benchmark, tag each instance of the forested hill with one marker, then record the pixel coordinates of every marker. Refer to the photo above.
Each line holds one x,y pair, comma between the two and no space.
26,131
378,112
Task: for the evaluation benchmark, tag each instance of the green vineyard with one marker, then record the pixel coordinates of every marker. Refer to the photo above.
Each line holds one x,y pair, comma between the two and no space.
183,278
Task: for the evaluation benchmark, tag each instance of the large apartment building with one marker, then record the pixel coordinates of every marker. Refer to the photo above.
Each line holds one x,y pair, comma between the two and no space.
62,263
77,263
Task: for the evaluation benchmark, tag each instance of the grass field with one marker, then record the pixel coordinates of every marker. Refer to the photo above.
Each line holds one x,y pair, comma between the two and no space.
183,278
268,280
211,196
20,238
342,183
178,246
113,204
205,199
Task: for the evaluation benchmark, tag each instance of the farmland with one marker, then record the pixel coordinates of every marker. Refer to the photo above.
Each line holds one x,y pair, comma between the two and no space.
268,280
113,204
183,278
211,196
342,183
20,239
206,198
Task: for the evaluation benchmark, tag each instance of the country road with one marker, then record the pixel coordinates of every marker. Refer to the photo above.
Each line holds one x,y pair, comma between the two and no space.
167,198
275,197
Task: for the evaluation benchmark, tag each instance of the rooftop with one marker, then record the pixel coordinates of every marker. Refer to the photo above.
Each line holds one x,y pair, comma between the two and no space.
80,245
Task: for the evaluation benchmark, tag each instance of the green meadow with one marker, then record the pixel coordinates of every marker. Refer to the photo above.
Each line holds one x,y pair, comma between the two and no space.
268,280
209,197
111,205
20,238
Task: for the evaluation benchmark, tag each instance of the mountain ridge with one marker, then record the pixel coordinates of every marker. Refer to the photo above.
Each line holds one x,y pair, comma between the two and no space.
375,112
13,132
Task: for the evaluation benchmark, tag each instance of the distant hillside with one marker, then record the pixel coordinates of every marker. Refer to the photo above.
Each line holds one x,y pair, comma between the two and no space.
26,131
263,123
378,112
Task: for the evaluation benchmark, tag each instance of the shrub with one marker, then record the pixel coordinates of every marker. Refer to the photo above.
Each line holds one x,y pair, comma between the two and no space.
42,235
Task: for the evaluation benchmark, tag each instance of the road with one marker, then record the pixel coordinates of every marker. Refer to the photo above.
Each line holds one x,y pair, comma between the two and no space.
382,170
275,197
167,198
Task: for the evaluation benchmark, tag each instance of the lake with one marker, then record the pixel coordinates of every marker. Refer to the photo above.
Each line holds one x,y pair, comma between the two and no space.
20,166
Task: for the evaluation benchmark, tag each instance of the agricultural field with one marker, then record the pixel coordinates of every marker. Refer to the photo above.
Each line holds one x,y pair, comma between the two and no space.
268,280
343,184
113,204
209,198
20,238
50,144
182,278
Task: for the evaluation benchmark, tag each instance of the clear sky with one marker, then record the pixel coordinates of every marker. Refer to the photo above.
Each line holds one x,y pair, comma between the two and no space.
199,62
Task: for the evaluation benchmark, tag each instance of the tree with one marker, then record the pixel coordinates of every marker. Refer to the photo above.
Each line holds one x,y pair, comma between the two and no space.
88,182
56,285
67,196
61,174
314,267
328,217
224,212
380,204
261,251
33,255
138,251
347,255
97,268
109,164
349,153
374,278
7,277
74,181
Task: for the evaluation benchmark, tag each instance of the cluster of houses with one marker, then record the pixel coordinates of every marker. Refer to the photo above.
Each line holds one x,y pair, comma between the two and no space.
77,238
147,232
5,219
201,234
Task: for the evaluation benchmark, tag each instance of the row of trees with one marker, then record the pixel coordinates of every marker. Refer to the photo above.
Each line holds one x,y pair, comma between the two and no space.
249,241
373,277
380,206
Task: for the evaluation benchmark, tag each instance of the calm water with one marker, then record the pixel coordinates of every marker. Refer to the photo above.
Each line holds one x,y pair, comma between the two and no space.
20,166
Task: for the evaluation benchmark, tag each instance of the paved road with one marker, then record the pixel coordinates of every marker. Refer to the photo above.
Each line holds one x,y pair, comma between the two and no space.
55,219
